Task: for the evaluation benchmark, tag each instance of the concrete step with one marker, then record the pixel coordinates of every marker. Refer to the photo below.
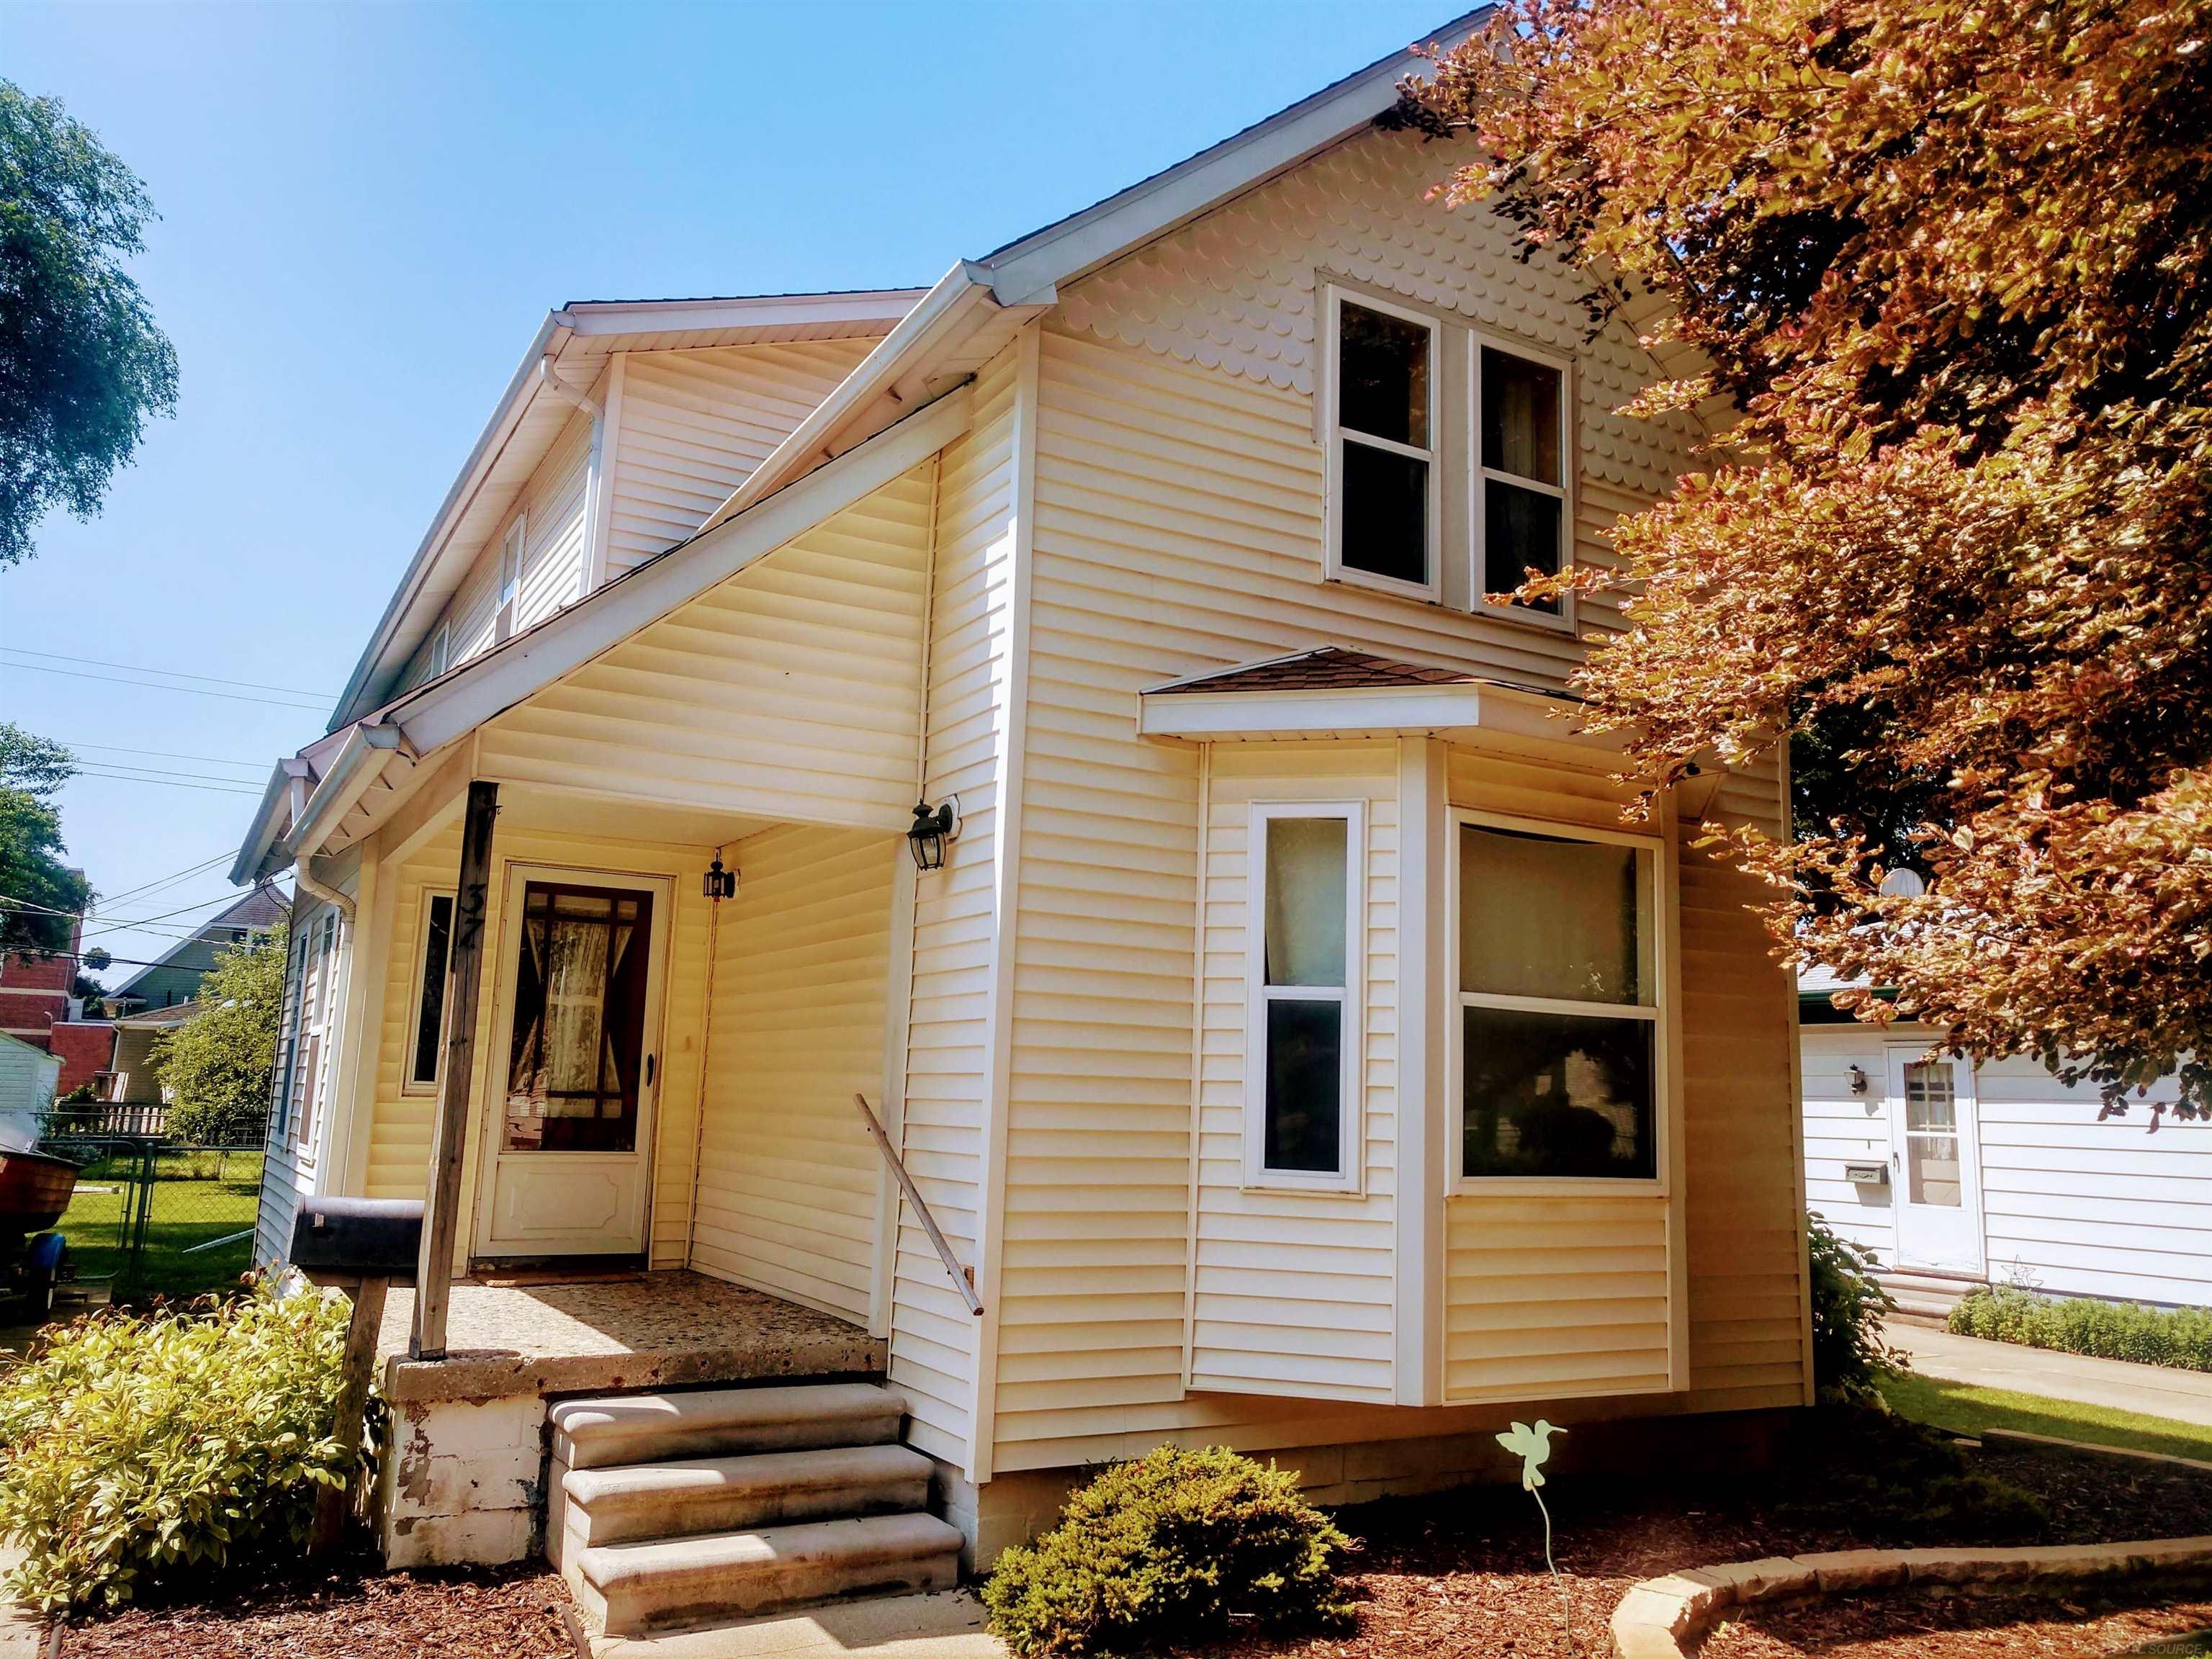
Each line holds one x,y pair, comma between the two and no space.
1925,1298
683,1498
592,1434
625,1589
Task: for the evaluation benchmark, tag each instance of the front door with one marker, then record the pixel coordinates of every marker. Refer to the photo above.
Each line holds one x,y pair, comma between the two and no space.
574,1063
1935,1163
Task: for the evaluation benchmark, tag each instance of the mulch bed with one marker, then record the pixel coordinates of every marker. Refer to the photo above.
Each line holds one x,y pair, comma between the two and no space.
1462,1575
1965,1626
483,1612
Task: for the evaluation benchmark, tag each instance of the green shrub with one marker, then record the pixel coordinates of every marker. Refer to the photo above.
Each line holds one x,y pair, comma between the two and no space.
2180,1337
1169,1547
1848,1307
135,1451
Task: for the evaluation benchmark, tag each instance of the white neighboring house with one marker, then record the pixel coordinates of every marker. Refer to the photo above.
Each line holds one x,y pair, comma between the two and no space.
26,1090
1955,1174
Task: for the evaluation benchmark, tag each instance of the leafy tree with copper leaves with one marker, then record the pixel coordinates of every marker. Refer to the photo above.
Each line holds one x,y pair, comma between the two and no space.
1943,264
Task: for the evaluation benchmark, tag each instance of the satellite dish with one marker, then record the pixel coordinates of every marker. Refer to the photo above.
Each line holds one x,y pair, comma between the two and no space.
1902,884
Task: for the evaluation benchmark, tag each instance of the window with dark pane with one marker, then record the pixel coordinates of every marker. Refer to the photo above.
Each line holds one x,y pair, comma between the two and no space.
1303,975
1383,373
1523,472
430,1002
575,1054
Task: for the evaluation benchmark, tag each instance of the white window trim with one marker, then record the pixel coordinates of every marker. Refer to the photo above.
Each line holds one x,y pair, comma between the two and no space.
1333,567
318,1014
515,541
1477,476
441,648
1350,1169
409,1083
1660,1011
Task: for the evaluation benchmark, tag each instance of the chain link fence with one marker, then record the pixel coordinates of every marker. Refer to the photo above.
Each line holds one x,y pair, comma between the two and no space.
156,1219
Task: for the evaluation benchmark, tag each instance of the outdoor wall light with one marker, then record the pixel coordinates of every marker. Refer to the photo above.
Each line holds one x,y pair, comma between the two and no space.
1858,1079
934,827
719,883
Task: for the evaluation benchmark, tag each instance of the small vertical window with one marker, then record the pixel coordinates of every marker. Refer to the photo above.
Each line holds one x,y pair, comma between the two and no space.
1521,505
1382,446
427,1035
510,573
440,645
318,994
1303,1088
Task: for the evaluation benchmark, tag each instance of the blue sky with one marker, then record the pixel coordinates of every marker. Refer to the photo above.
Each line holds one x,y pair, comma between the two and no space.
367,208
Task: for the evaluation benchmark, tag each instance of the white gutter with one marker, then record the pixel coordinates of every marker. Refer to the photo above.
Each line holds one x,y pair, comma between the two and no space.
359,763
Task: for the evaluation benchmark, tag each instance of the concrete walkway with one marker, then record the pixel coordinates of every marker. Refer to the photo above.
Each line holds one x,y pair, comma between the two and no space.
2154,1390
21,1636
946,1625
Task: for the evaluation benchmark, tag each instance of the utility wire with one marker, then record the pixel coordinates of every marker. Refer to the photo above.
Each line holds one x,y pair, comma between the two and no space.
172,673
151,686
166,783
162,754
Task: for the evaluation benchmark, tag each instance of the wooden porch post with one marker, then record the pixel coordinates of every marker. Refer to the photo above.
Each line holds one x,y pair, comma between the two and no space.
449,1133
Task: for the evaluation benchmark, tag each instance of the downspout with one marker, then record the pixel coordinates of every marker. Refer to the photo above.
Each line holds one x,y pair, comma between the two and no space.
303,877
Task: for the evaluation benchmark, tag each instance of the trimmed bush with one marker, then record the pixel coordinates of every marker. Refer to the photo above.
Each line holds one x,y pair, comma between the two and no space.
136,1451
2179,1337
1169,1547
1848,1306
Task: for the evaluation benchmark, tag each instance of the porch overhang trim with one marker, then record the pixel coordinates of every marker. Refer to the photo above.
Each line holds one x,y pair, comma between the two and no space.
1468,712
456,703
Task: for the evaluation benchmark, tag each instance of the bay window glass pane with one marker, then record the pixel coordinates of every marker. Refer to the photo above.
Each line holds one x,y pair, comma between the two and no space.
1305,1085
1542,916
429,1019
1520,533
1557,1094
1520,417
1382,368
1385,517
1305,888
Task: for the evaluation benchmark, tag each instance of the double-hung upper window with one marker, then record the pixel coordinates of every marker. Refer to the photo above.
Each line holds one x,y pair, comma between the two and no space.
1521,492
510,573
1557,1032
1384,488
1302,1105
426,1033
318,1002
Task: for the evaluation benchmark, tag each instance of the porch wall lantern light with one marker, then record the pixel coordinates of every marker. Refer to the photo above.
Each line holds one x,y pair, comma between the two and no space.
719,883
933,828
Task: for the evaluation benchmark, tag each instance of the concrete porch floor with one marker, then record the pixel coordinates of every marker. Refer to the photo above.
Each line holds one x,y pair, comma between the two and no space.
619,1331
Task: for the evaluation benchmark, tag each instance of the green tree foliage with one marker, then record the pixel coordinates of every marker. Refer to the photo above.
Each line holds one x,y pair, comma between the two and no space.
41,896
1946,266
218,1066
82,365
1169,1548
139,1453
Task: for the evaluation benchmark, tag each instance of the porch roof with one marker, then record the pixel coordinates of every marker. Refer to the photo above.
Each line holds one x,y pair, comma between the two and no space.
629,1330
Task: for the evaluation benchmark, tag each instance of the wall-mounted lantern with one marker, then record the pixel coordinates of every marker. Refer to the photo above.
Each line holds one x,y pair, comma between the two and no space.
933,828
719,883
1858,1079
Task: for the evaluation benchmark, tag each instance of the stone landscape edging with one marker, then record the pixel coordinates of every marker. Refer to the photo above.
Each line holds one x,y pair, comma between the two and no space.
1660,1618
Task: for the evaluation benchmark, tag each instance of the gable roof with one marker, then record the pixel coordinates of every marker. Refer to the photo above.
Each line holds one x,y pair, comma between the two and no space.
191,958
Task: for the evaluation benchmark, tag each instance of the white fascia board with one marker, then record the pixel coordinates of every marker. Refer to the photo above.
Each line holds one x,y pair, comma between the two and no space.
456,704
926,324
359,763
261,832
592,319
521,388
1083,241
1469,710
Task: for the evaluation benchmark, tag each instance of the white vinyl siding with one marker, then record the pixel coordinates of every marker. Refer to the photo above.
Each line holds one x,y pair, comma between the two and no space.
787,1179
695,424
789,691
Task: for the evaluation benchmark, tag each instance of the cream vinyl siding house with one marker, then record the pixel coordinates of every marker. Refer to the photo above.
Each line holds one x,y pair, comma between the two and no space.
1298,1042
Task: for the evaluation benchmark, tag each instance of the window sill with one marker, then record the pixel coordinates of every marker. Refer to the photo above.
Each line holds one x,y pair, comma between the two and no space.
1343,577
1275,1186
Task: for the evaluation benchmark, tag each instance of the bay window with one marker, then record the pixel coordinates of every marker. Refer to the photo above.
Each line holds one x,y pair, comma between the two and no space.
1302,1109
1383,486
1557,1030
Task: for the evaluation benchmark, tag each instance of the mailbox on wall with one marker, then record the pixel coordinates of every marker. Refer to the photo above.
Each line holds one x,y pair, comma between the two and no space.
1867,1175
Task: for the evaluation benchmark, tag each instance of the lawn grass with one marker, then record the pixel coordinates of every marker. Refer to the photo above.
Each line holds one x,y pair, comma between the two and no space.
1965,1409
190,1206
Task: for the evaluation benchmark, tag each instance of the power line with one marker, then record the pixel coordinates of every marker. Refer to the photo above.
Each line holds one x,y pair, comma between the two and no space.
172,673
151,686
208,862
166,783
162,754
116,925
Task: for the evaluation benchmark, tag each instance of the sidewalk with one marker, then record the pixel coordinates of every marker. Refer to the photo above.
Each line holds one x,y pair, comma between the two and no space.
20,1635
2152,1390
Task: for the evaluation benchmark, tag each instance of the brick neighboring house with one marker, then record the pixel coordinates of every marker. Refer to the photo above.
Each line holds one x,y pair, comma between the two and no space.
36,1007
